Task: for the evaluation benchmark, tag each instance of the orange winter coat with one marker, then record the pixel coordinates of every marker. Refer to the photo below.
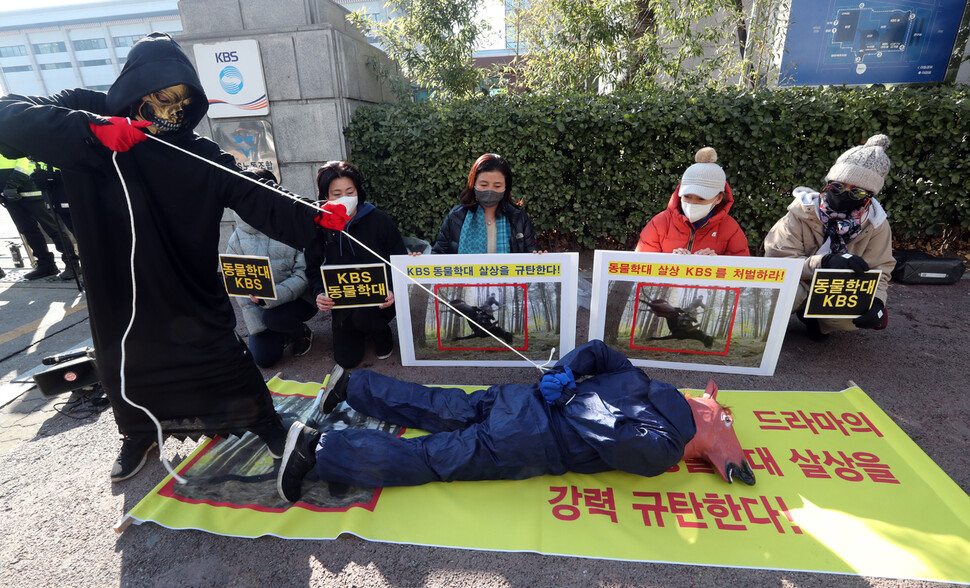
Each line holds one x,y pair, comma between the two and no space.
671,230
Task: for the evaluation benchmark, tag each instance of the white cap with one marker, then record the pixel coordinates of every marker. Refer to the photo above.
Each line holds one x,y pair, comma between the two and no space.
705,178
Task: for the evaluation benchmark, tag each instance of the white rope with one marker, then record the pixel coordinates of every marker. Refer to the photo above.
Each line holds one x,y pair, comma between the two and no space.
131,322
541,367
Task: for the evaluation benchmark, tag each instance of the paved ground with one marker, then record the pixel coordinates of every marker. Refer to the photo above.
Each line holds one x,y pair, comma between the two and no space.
57,506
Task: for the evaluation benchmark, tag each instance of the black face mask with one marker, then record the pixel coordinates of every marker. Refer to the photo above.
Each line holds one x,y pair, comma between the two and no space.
842,201
488,198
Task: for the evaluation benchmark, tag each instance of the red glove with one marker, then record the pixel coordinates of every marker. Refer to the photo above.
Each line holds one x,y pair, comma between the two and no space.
333,216
119,134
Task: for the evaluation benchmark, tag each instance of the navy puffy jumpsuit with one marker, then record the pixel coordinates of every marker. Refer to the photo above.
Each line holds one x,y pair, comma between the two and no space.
619,419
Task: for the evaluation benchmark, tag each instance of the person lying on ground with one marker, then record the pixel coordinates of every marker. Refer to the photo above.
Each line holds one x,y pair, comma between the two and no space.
617,418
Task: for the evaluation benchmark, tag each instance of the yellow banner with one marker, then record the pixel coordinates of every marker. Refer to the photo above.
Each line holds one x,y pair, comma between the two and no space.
493,270
696,272
840,488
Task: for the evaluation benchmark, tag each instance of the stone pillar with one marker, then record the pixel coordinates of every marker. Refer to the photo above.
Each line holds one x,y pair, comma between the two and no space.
315,66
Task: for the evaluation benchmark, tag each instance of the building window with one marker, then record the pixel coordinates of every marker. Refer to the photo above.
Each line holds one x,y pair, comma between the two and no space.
89,44
56,47
126,41
17,68
94,62
13,51
62,65
100,88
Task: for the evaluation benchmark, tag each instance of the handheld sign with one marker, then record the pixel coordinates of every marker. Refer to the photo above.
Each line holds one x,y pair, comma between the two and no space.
841,293
248,274
352,286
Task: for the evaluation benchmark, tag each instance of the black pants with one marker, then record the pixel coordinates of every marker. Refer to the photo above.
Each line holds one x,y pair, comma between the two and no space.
351,327
283,323
31,216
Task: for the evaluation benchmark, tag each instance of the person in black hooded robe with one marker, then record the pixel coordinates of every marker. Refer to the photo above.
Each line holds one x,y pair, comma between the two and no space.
183,359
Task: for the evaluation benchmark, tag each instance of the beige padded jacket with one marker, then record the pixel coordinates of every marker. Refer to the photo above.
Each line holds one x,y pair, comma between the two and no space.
799,234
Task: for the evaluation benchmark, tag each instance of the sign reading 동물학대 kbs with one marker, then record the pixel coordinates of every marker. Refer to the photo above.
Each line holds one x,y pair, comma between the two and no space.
841,293
351,286
248,274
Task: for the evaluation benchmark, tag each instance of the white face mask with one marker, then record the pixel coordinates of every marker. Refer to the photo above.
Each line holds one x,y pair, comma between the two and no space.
696,212
348,202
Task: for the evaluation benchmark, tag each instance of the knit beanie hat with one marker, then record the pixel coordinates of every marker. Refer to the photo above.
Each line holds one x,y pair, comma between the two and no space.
865,166
705,178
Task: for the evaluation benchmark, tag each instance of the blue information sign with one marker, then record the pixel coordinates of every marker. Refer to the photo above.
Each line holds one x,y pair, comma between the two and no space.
871,42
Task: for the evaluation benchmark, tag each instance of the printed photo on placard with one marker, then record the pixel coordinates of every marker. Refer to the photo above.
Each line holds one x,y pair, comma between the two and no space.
352,286
695,312
250,142
841,293
485,309
246,275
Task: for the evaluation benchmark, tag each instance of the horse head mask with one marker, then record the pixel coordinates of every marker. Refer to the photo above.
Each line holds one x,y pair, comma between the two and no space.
715,440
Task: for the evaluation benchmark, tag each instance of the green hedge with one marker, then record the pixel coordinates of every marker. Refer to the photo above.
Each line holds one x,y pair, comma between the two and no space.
591,170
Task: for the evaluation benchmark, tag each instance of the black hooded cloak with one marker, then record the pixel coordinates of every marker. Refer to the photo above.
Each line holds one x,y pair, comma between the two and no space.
184,361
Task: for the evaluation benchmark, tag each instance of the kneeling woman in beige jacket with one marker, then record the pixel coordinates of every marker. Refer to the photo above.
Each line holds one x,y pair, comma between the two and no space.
843,227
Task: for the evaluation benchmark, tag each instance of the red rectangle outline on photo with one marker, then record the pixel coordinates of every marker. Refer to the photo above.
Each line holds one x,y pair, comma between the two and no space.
437,314
734,313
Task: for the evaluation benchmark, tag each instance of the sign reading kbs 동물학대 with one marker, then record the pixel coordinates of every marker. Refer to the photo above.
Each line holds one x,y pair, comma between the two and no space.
247,275
841,293
353,286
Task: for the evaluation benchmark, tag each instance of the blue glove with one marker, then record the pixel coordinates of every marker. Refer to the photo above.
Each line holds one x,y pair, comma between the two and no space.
554,382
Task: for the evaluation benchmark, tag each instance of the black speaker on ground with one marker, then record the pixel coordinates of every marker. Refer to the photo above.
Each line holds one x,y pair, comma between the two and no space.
67,376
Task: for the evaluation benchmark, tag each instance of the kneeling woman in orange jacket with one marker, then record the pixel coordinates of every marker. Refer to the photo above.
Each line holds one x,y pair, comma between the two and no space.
696,219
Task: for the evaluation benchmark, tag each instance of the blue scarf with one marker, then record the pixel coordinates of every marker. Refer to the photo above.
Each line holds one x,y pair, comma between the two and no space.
474,238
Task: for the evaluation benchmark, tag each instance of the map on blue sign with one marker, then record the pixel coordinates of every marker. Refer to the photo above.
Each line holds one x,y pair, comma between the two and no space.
844,42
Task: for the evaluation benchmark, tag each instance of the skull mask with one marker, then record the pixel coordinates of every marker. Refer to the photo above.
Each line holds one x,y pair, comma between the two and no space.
165,109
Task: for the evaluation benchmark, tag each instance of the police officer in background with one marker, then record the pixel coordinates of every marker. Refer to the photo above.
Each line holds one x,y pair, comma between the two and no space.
25,203
48,180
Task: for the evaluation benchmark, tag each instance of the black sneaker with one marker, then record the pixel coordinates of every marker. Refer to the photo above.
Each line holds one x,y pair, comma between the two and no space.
335,391
813,329
275,440
299,457
134,452
302,343
387,353
384,344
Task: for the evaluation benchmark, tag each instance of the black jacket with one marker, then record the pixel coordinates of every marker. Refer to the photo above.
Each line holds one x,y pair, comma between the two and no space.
520,228
184,361
374,227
